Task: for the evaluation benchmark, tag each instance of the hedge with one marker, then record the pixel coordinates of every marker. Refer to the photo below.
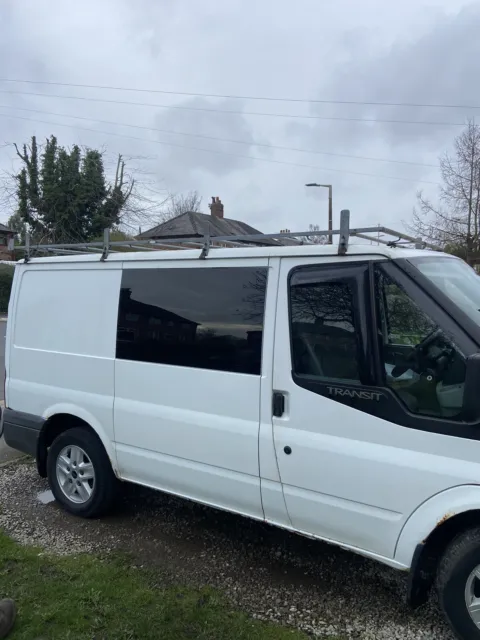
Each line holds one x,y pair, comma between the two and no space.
6,278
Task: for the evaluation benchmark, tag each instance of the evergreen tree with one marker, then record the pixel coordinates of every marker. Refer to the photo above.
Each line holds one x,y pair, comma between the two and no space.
63,194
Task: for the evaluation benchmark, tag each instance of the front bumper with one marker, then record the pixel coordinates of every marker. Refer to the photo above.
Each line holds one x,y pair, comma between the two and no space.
22,430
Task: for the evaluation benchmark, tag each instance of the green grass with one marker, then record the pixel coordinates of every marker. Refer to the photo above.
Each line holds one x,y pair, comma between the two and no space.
89,597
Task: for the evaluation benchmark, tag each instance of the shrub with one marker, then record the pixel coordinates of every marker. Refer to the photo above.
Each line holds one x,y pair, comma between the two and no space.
6,278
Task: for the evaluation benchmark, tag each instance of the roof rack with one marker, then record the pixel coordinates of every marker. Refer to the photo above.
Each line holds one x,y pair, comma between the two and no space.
205,244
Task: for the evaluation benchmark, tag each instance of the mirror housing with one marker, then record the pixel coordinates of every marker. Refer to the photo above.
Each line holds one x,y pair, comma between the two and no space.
471,393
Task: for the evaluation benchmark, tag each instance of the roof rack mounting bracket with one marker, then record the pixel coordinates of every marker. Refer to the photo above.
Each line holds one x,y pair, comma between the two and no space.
344,232
27,247
106,245
206,247
394,243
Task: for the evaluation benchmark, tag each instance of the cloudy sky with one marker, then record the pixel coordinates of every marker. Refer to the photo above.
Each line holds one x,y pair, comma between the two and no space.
415,51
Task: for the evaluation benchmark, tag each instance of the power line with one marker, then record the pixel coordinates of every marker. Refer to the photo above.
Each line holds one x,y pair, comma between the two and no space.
237,97
199,135
243,113
225,153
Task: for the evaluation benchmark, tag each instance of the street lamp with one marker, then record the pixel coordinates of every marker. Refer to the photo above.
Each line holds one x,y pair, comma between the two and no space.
330,206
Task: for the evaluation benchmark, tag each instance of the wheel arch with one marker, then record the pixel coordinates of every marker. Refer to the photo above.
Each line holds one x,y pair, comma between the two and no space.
62,417
429,530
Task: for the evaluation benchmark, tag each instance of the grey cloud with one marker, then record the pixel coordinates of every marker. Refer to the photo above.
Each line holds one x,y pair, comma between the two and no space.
438,66
15,57
341,50
215,157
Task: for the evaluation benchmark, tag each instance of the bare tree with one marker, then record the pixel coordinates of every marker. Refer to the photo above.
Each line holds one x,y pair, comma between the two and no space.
453,223
145,208
316,239
181,203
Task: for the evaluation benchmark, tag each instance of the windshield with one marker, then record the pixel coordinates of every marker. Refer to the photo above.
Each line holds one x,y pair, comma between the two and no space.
456,279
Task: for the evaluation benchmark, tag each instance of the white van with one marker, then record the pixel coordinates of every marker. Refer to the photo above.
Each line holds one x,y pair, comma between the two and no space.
331,393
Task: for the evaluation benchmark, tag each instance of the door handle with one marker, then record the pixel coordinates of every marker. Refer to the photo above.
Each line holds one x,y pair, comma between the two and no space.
278,404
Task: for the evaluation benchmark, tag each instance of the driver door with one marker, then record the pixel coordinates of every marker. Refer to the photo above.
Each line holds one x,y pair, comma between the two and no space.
360,437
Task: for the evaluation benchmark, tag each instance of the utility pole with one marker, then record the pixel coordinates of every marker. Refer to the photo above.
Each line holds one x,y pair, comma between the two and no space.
330,206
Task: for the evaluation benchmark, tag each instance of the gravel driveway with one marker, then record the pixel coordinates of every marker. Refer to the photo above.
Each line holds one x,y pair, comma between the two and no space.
269,573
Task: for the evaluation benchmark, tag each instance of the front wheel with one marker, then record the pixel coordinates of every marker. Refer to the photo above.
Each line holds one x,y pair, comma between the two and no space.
458,584
80,474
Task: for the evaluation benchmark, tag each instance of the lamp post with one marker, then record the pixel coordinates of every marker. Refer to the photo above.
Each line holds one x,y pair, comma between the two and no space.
330,205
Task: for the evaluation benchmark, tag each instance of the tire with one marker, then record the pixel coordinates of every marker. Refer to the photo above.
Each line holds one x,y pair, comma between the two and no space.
80,474
455,584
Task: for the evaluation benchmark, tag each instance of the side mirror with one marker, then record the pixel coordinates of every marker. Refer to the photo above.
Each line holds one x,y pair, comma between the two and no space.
471,393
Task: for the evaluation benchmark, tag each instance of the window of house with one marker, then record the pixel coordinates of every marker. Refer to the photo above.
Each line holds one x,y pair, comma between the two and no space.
324,340
207,318
422,364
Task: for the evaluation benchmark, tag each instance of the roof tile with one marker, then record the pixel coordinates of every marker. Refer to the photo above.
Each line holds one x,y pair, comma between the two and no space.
200,224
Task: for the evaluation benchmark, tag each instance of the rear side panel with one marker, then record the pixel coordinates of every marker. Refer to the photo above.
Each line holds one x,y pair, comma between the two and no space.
61,342
10,324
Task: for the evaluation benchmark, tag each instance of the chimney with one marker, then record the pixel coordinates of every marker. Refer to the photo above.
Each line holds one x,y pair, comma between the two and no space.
216,207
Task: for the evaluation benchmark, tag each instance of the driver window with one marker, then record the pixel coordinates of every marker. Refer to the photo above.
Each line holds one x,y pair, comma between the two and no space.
324,340
422,365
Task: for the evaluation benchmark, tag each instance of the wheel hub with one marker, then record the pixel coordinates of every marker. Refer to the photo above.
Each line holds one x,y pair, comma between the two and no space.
472,596
75,474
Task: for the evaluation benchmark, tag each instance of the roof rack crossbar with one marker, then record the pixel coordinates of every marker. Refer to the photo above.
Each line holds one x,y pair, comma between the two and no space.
364,236
167,242
70,251
63,251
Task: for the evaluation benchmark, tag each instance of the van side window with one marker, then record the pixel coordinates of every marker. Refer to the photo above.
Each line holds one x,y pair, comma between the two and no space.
206,318
422,364
324,340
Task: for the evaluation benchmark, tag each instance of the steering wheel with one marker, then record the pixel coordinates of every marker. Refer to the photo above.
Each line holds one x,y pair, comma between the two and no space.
427,341
412,361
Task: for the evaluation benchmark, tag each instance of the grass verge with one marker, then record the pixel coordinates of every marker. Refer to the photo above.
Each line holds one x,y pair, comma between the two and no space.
88,597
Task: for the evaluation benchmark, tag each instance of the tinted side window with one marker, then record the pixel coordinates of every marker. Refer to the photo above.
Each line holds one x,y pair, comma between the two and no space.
324,341
207,318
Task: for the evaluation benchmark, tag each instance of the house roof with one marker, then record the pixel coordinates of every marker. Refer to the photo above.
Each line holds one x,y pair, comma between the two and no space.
4,229
192,224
